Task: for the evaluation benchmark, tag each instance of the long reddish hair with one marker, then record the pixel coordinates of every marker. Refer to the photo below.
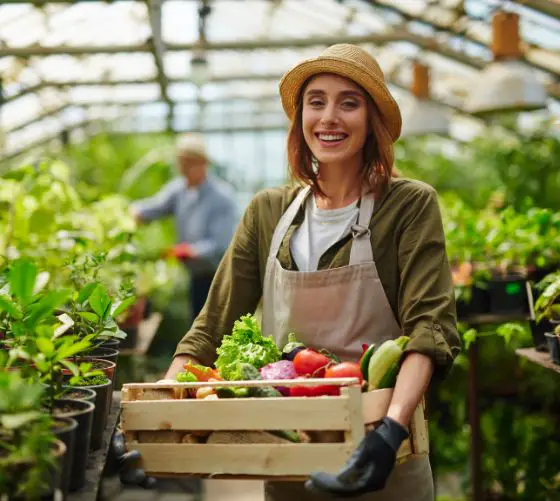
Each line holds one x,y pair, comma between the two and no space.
378,153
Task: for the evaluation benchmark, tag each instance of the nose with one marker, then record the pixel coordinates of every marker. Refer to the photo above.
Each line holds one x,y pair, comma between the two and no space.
329,116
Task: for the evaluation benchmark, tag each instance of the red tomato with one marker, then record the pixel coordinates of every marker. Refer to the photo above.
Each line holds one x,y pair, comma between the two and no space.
308,362
345,369
314,391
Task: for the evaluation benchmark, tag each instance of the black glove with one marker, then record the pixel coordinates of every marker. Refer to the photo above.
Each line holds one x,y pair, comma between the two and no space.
126,464
369,466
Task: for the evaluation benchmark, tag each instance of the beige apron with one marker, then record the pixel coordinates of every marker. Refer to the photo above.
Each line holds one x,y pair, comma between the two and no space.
338,309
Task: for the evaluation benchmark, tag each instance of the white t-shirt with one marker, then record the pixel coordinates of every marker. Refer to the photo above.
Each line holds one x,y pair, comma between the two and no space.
321,228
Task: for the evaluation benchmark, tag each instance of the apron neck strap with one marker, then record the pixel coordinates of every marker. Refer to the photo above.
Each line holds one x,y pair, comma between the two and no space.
286,221
361,251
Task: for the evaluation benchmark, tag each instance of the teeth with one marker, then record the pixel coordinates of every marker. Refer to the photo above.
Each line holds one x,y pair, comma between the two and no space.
331,137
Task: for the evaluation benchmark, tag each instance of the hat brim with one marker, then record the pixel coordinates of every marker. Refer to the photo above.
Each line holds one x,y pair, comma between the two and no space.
293,80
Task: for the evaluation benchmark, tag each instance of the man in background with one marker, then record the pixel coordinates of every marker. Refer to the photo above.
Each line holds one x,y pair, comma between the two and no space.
205,212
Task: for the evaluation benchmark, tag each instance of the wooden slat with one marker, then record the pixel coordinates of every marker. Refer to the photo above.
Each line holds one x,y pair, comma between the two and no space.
345,381
318,413
419,431
405,450
375,404
234,459
354,411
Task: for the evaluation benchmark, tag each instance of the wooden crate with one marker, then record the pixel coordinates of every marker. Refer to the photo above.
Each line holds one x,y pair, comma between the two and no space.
156,418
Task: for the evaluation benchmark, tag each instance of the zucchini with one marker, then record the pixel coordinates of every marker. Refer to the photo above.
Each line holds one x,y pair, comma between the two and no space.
390,378
385,361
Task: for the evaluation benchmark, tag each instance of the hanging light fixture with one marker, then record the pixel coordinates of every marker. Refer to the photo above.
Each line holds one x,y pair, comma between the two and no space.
423,116
506,84
200,72
199,69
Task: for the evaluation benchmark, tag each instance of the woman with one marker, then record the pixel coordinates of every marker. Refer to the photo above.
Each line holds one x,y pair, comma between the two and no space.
349,256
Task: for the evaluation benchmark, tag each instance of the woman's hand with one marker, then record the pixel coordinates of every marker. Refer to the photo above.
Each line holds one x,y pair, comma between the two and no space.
368,468
178,365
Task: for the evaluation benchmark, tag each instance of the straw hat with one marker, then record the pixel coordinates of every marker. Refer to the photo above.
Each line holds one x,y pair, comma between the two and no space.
191,145
348,61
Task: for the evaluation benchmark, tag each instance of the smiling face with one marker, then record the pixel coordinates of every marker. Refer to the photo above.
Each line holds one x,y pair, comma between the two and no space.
335,120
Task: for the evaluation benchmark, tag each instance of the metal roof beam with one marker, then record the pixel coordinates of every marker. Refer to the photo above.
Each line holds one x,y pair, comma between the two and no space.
42,142
547,7
38,118
455,30
131,81
398,35
158,50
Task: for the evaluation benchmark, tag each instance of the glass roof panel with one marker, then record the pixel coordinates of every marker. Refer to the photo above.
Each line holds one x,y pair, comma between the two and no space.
119,94
235,77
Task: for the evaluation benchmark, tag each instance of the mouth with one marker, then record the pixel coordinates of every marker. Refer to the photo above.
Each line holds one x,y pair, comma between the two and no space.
330,139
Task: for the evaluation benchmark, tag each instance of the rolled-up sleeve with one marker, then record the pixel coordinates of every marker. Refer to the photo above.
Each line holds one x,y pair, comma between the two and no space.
161,204
426,299
235,291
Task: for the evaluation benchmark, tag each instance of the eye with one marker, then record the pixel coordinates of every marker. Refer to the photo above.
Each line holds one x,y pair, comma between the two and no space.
315,102
350,104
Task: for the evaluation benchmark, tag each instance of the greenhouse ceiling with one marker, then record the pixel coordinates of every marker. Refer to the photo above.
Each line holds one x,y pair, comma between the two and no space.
132,65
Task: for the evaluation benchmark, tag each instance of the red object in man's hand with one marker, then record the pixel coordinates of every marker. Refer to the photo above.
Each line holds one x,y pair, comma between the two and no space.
182,251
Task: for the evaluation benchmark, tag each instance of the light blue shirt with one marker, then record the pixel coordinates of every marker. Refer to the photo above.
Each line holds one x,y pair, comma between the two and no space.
205,217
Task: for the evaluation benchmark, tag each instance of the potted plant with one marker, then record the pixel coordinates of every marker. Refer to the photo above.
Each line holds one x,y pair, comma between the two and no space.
103,387
30,455
547,307
466,253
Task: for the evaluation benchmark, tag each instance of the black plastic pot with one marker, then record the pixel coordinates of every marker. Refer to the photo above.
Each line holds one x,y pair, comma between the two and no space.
538,331
508,295
65,431
553,347
14,474
108,343
82,412
537,274
103,398
479,304
103,353
75,393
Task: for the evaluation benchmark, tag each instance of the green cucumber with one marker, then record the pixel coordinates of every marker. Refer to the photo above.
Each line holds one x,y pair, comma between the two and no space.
232,392
290,435
383,361
364,361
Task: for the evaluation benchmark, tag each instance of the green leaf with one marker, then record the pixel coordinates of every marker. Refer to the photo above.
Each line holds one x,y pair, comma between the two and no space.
41,220
45,346
14,421
123,306
555,309
469,337
86,291
41,363
100,301
7,305
22,280
71,366
71,349
119,334
47,304
85,367
89,316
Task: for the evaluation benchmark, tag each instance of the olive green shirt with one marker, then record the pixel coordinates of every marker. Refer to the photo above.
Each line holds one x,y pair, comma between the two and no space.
408,247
